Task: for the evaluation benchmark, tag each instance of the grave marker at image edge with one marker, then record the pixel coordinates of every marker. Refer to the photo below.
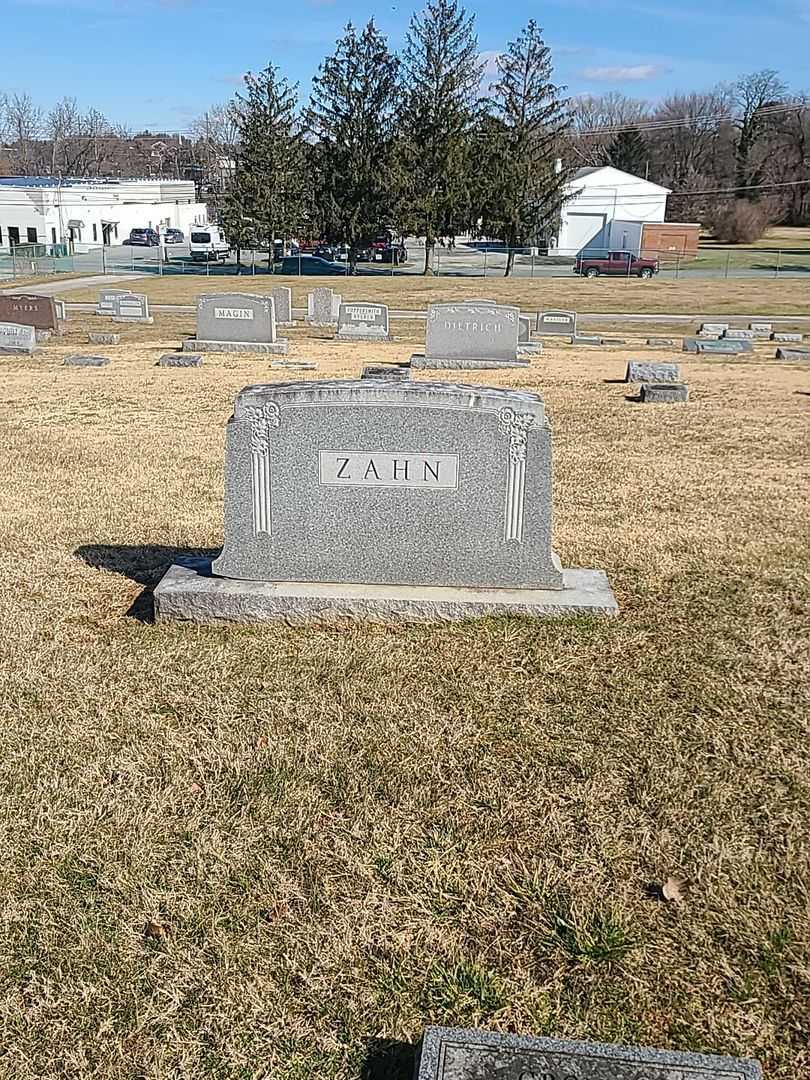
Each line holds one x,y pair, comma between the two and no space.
363,322
458,1054
384,499
236,322
557,323
16,338
29,310
470,335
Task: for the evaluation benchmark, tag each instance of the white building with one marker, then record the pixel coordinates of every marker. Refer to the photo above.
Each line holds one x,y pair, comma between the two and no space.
607,209
92,213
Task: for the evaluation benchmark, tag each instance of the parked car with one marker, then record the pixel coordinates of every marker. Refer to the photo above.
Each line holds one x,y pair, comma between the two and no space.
143,238
618,263
312,264
208,244
173,236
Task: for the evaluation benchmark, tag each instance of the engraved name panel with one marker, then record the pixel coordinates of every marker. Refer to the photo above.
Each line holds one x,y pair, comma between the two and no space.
233,313
365,468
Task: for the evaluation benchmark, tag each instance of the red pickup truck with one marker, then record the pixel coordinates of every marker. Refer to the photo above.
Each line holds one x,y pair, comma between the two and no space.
620,263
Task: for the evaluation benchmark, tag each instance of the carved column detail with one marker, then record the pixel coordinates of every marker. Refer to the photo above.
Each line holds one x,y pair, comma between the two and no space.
516,426
262,420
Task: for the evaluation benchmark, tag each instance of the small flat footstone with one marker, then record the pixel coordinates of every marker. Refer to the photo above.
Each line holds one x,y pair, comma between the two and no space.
723,347
793,354
458,1054
781,336
660,342
180,360
585,339
461,363
295,365
386,371
640,371
42,335
87,361
664,393
614,341
279,347
98,338
188,592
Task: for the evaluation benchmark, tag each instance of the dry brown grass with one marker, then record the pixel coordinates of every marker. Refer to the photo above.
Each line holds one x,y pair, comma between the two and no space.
763,296
348,833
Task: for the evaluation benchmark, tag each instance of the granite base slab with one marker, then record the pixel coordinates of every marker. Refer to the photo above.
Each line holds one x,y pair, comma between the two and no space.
148,321
347,335
278,347
189,593
463,364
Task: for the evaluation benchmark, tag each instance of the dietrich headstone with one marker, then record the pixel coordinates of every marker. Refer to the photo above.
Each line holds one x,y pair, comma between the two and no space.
557,323
108,299
641,371
458,1054
29,310
386,499
664,392
470,335
131,307
16,338
362,322
282,303
323,306
236,322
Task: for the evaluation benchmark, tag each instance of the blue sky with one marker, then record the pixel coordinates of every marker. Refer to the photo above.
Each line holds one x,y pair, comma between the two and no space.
159,63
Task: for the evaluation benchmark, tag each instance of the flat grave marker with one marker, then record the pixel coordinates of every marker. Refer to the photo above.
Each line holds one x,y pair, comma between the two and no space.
458,1054
86,361
470,335
100,338
664,393
386,499
643,371
785,337
180,360
722,347
793,354
236,322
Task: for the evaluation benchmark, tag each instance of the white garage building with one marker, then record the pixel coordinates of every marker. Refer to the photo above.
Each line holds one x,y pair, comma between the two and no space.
606,211
92,213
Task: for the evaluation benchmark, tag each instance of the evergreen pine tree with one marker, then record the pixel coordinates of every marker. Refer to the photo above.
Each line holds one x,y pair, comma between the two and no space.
267,186
521,143
628,152
351,116
442,74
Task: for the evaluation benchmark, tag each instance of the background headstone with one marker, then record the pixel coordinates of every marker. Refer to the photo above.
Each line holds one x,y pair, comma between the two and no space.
107,300
735,334
642,371
29,310
16,338
99,338
557,323
664,392
282,303
235,322
782,336
458,1054
61,310
469,335
359,321
722,347
793,354
323,306
131,307
714,327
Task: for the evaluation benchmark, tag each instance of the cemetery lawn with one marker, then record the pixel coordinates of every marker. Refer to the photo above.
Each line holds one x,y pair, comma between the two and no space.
687,296
280,852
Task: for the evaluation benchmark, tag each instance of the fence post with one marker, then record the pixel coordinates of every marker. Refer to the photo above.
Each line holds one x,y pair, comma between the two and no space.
778,262
677,265
485,262
728,262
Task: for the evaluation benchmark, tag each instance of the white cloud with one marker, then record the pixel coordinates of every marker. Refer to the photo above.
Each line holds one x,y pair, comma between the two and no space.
630,73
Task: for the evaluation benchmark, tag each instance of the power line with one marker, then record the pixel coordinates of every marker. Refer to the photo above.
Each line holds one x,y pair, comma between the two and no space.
684,122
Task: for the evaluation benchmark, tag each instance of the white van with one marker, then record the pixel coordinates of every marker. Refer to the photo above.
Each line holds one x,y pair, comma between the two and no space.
207,244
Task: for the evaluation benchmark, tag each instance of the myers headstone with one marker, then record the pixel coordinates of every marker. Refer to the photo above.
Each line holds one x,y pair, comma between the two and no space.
87,361
282,304
362,322
664,392
458,1054
323,306
16,338
642,371
470,335
131,307
236,322
107,300
557,323
29,310
384,498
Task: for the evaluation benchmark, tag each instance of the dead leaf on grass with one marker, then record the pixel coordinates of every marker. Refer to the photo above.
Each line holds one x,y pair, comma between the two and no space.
674,890
155,930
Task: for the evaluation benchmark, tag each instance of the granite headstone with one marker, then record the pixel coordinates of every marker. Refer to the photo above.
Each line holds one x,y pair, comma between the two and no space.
384,498
723,347
235,322
458,1054
664,392
642,371
781,335
323,306
29,310
131,307
108,299
282,303
100,338
470,335
362,322
557,323
16,338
